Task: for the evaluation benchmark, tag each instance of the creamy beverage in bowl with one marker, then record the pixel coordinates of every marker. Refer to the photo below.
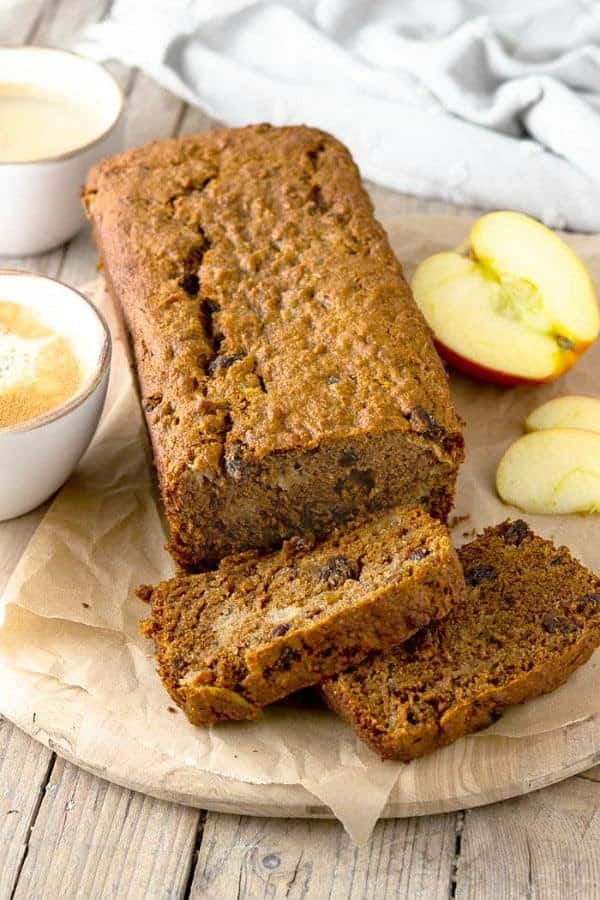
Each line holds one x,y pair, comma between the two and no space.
39,370
51,343
59,114
54,368
38,122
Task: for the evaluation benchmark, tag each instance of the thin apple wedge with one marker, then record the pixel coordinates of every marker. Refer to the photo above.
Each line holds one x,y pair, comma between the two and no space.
566,412
552,472
518,308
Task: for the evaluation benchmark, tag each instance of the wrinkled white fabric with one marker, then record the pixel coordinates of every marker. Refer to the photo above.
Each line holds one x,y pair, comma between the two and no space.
488,102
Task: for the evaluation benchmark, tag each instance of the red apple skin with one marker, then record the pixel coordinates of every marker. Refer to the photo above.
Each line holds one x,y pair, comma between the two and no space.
482,373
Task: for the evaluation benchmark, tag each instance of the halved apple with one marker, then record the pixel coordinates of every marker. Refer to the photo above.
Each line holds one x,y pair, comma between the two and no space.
566,412
552,472
519,308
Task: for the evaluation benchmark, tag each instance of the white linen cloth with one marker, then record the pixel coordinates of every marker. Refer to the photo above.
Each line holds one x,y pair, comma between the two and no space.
488,102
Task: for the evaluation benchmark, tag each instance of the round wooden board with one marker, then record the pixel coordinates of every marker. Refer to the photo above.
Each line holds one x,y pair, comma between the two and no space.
472,772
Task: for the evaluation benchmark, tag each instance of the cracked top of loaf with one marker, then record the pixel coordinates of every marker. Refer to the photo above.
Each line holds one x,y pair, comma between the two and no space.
267,309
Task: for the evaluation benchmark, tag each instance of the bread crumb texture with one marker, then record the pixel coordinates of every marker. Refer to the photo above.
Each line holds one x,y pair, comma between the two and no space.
287,377
262,626
529,618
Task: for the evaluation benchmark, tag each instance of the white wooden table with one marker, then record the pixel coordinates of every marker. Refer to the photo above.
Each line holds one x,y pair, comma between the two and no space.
67,834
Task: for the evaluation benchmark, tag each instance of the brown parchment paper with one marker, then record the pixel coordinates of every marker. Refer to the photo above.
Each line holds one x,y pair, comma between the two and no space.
70,619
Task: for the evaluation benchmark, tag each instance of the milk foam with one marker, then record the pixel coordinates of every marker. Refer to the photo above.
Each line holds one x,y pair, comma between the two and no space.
38,368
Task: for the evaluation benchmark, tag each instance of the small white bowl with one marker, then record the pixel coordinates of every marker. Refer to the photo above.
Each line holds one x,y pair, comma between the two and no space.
37,456
41,205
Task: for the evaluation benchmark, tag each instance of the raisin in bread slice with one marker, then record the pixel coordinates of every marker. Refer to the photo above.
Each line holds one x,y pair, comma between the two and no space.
260,627
530,617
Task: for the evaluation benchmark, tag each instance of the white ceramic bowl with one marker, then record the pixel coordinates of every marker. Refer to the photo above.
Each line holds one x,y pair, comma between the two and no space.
41,205
37,456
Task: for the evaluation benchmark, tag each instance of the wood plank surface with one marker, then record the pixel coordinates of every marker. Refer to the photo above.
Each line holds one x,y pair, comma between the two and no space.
24,769
61,21
249,858
94,839
543,845
19,21
67,834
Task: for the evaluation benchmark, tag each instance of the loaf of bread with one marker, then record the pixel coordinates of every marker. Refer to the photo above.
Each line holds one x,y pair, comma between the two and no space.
530,617
288,379
261,626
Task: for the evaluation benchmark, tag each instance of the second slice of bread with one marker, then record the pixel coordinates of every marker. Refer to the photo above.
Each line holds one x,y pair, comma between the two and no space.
260,627
530,617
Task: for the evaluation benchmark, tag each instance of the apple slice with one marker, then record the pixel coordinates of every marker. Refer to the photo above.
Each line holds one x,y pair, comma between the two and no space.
520,308
566,412
552,472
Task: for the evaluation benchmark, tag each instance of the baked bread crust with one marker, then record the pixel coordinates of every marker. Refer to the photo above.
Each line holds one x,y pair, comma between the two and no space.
262,626
287,377
530,617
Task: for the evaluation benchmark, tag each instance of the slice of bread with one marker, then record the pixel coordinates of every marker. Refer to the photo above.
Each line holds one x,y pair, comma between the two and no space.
260,627
530,617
